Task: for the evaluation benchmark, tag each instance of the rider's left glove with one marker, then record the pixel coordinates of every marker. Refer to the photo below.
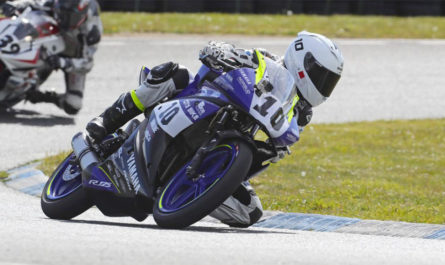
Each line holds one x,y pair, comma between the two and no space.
57,62
8,10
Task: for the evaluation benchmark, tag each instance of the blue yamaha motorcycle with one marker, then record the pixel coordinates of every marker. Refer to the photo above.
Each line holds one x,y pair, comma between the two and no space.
185,158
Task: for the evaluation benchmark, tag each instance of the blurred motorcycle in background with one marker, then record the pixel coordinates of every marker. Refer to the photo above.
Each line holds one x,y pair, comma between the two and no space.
26,40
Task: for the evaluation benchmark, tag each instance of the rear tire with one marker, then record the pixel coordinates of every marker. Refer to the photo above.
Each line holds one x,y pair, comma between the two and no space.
210,199
68,206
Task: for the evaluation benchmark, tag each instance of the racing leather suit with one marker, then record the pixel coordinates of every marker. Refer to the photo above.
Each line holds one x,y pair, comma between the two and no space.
75,61
164,81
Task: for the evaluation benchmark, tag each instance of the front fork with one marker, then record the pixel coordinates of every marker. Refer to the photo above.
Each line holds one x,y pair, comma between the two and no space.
217,136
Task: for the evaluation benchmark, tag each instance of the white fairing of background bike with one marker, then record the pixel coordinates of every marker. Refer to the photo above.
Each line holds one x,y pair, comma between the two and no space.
21,56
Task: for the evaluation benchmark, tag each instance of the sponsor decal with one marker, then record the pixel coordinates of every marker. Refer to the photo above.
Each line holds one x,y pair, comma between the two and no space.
244,82
193,114
200,108
190,110
119,178
132,169
123,108
186,103
301,74
245,77
103,184
243,85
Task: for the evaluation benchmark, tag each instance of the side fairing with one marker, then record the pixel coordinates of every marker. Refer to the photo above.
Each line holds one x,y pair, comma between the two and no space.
239,86
176,115
124,169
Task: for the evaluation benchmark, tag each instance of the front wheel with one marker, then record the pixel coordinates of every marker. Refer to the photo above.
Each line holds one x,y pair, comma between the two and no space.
184,201
63,196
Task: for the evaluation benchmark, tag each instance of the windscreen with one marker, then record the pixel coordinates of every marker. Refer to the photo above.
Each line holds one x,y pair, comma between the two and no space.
25,29
283,86
30,23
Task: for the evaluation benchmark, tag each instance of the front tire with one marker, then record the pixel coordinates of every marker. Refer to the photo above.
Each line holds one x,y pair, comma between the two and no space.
183,202
63,196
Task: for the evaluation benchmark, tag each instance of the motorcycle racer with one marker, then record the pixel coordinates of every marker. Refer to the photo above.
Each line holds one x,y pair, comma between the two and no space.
312,63
81,29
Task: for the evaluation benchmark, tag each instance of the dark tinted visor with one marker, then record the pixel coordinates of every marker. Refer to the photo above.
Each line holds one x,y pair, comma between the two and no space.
323,79
68,19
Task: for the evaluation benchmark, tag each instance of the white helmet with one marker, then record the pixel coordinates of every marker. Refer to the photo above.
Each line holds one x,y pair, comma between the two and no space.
316,64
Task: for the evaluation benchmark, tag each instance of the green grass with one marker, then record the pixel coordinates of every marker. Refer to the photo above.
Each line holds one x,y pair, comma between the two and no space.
339,26
49,164
392,170
3,175
385,170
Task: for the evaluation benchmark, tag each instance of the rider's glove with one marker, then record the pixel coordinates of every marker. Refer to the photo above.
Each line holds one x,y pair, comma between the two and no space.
57,62
8,9
218,50
303,110
221,55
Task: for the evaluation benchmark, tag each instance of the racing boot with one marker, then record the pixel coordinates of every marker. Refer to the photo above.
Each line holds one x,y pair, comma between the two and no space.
114,117
37,96
159,83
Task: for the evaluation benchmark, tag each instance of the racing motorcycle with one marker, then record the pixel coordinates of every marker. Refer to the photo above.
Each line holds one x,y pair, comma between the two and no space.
25,41
184,159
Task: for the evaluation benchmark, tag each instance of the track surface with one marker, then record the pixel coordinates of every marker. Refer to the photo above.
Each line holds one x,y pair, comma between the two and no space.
383,79
27,237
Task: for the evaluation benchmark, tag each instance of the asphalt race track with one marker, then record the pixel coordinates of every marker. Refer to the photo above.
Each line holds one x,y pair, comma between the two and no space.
383,79
27,237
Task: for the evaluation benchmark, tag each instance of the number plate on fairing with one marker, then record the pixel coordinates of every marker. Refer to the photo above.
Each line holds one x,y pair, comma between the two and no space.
176,115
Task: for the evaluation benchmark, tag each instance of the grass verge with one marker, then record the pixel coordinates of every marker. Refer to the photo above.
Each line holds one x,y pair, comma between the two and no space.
3,175
385,170
49,164
339,26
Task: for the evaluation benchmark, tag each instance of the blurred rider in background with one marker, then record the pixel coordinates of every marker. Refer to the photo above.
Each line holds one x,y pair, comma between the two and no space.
313,61
81,29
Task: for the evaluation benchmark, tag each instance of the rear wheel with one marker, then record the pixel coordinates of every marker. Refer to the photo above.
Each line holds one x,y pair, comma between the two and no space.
63,196
184,201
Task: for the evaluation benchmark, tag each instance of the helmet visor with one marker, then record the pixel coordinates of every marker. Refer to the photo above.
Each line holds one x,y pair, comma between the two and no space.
68,19
323,78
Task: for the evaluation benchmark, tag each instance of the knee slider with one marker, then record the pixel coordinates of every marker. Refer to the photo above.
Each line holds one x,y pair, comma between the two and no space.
93,37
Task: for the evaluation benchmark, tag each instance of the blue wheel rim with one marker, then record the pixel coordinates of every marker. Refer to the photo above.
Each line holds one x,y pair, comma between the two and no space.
66,180
182,191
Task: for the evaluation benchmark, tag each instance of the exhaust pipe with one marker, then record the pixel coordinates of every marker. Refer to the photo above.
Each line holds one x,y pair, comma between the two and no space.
82,150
